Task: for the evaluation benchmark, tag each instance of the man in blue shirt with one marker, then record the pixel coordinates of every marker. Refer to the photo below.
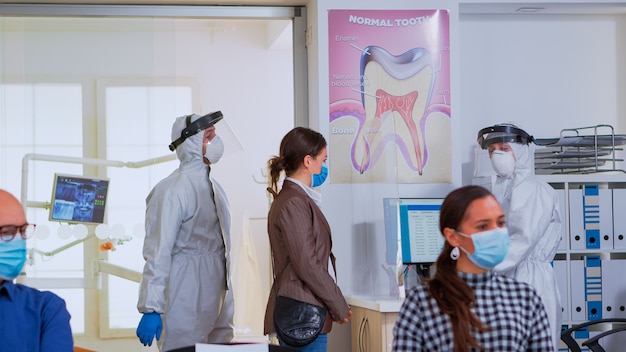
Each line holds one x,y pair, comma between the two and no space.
30,320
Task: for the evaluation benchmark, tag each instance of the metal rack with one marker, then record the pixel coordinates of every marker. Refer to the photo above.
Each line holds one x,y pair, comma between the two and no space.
580,153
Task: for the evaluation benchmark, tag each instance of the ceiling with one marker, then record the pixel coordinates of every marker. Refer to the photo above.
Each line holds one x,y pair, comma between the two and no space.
573,8
167,2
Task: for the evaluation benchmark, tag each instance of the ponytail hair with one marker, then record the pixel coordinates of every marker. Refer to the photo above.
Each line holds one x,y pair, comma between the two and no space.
295,145
453,296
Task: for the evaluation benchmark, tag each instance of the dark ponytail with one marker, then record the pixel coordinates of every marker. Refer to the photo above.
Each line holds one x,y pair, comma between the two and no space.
295,145
454,297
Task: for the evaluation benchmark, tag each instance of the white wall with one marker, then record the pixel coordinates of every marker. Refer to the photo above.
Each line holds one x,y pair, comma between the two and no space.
544,73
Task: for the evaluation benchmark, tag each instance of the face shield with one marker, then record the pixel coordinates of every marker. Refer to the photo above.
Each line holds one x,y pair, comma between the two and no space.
198,125
228,138
484,172
504,133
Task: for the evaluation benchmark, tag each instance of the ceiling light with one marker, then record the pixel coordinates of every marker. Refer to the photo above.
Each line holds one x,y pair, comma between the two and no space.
530,9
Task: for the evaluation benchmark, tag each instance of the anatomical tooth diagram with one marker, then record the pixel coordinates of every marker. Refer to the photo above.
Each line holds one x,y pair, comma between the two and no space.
389,97
399,88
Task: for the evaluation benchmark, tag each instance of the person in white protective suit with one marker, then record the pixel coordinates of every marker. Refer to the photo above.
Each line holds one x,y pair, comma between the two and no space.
532,213
186,291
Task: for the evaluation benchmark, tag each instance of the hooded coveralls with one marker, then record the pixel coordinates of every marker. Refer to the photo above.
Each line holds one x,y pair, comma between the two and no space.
535,228
186,275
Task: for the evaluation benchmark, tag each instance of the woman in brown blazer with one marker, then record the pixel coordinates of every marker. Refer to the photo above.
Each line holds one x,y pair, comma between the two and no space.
299,234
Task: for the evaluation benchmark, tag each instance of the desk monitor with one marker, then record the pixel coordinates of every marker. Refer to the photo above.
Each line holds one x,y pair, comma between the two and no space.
78,199
420,239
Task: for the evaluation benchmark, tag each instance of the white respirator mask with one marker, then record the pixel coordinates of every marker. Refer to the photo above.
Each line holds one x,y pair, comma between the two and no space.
503,163
214,150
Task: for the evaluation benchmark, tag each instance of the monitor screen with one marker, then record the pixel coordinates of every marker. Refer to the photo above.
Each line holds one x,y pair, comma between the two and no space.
420,238
78,199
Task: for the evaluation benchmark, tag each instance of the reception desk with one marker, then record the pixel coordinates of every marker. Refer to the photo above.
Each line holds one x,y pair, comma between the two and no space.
271,348
372,323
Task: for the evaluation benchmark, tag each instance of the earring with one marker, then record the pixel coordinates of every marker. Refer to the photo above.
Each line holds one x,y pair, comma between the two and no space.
455,253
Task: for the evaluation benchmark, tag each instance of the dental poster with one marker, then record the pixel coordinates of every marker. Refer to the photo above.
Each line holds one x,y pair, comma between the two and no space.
389,77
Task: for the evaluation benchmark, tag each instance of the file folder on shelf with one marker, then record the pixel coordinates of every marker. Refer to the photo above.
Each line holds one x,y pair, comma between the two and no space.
591,218
593,287
560,272
613,288
578,311
619,218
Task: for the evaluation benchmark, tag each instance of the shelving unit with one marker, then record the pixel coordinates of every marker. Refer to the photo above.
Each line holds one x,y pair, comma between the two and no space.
580,150
591,260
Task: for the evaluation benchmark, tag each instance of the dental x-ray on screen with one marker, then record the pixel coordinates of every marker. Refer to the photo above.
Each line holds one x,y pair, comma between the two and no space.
78,199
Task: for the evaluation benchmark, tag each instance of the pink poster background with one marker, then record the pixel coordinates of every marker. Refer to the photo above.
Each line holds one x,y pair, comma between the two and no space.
397,32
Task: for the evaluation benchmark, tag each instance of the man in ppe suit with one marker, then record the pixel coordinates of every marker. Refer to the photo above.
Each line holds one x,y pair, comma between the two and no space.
532,215
186,292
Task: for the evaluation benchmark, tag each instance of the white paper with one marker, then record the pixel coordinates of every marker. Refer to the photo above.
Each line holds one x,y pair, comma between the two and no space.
246,347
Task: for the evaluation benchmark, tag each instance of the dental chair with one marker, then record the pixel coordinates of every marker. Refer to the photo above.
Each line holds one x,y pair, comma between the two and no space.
592,343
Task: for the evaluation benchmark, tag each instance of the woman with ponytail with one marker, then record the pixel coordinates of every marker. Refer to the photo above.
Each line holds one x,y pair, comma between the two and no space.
465,306
300,237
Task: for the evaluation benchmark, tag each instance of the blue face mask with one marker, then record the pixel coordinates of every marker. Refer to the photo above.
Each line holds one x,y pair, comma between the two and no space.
12,258
318,179
490,247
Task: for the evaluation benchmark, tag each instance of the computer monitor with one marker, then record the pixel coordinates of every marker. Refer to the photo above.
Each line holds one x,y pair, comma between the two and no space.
421,241
78,199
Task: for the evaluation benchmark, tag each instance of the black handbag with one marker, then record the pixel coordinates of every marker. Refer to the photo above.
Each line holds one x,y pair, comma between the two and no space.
297,323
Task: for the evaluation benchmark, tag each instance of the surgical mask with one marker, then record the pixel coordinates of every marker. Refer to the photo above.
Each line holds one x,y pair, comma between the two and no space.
12,258
214,150
318,179
490,247
503,163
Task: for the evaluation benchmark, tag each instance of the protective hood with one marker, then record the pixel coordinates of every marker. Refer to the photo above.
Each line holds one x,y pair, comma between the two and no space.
524,161
524,167
191,149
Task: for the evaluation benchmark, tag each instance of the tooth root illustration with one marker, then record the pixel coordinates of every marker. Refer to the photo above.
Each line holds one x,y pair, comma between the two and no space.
369,133
391,86
373,134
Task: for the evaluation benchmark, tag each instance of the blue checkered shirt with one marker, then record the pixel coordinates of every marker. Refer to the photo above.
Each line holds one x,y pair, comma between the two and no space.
511,309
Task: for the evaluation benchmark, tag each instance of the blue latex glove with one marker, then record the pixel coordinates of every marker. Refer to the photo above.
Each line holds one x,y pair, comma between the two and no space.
149,327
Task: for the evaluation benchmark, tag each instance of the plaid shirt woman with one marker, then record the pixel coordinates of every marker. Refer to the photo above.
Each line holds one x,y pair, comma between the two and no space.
465,306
